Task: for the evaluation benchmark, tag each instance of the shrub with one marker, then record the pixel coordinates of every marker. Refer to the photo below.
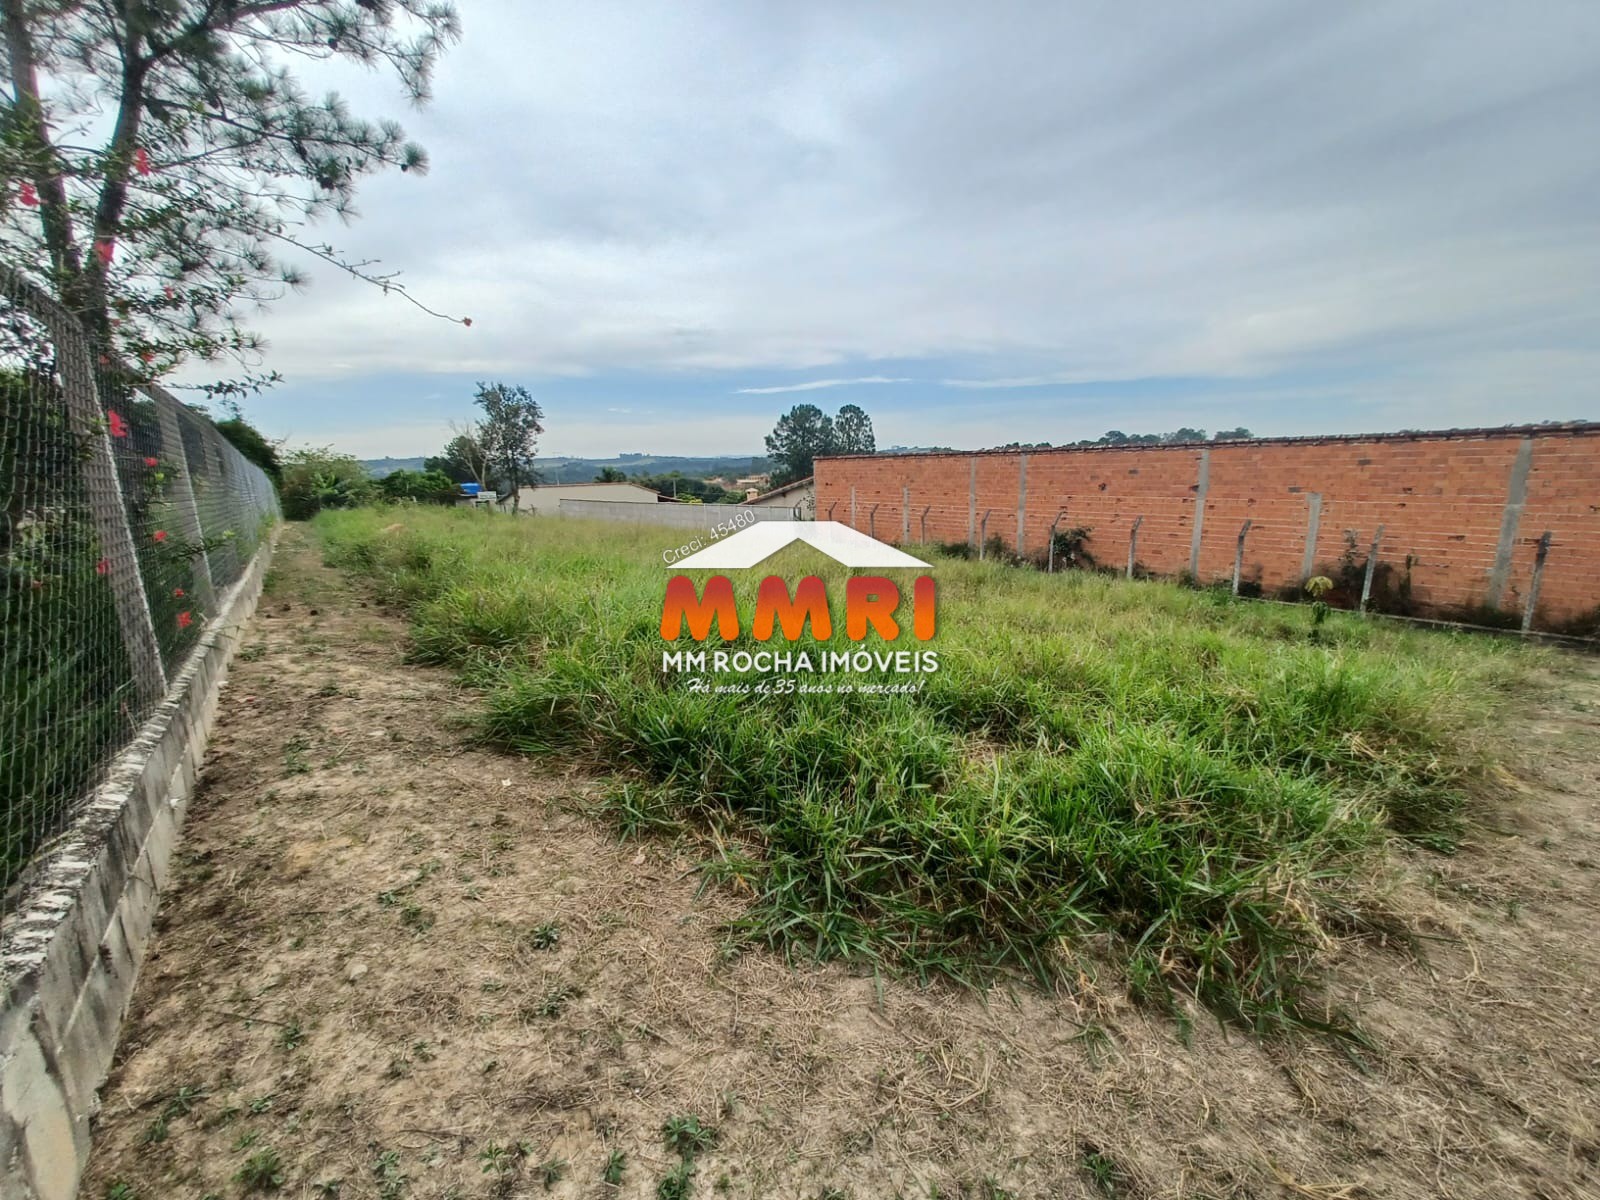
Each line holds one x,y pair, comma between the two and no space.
317,478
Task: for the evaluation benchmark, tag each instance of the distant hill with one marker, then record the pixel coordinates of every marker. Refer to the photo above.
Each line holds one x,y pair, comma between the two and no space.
581,470
379,467
565,469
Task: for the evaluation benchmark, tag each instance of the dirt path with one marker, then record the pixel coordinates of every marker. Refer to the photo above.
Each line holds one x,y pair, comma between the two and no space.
395,965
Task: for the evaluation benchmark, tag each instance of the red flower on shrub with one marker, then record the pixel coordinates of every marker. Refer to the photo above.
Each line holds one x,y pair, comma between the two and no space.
151,462
105,248
169,293
29,197
160,535
178,592
119,427
141,161
184,620
103,567
147,356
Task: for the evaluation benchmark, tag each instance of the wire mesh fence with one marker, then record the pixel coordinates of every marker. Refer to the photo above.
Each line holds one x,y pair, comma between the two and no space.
127,516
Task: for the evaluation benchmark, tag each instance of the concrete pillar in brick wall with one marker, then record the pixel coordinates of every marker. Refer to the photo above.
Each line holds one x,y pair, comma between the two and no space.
972,505
1202,485
905,515
1510,518
1308,562
1022,497
852,506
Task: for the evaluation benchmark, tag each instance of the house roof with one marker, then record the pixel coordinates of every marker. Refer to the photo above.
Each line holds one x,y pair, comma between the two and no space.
550,487
783,491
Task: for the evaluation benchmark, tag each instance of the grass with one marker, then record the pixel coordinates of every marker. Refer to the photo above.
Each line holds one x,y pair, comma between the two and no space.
263,1171
1201,785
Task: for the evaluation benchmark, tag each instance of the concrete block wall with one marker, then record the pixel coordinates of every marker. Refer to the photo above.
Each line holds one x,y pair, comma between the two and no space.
677,516
73,946
1462,511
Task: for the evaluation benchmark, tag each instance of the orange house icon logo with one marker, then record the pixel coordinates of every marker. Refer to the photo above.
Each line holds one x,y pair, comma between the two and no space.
871,601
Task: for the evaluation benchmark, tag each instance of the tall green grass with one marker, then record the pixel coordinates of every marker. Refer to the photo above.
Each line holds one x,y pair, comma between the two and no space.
1195,786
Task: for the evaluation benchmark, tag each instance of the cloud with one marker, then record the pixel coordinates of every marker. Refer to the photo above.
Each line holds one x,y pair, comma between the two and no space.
1011,198
817,384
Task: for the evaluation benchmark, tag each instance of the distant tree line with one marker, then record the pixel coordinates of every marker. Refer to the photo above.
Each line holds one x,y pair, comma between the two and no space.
1115,437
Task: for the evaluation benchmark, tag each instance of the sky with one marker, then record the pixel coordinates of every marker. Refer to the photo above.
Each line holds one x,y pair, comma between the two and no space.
983,223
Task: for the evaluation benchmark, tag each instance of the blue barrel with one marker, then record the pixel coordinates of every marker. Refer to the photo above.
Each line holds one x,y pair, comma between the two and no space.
471,489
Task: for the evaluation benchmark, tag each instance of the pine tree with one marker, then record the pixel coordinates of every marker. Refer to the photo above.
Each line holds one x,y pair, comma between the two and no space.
802,434
215,159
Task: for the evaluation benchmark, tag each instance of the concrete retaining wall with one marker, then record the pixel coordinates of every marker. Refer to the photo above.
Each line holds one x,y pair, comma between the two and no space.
677,516
73,947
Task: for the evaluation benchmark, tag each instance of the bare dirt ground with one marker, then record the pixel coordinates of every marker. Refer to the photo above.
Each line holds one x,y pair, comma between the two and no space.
394,964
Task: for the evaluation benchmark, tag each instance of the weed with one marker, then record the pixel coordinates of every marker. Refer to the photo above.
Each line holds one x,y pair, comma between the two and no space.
551,1172
497,1159
1104,1170
687,1136
544,936
296,759
414,916
1095,1042
555,1000
611,1170
121,1191
262,1103
183,1101
291,1035
677,1183
328,1188
261,1172
391,1179
155,1132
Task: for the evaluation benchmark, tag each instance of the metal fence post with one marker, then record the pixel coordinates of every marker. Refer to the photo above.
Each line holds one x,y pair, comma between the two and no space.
905,514
1133,543
1051,569
1372,566
1238,556
872,522
188,511
1533,586
983,534
831,507
925,513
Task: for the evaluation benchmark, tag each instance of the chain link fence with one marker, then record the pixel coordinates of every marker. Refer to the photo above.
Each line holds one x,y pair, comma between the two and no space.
127,517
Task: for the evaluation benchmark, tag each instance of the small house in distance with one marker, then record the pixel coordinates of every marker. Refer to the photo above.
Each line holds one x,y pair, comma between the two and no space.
471,495
544,500
799,496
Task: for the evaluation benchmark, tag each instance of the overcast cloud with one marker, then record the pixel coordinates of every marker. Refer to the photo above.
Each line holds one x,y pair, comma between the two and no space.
983,223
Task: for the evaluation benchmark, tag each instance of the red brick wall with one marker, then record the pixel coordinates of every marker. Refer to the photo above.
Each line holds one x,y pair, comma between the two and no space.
1443,500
